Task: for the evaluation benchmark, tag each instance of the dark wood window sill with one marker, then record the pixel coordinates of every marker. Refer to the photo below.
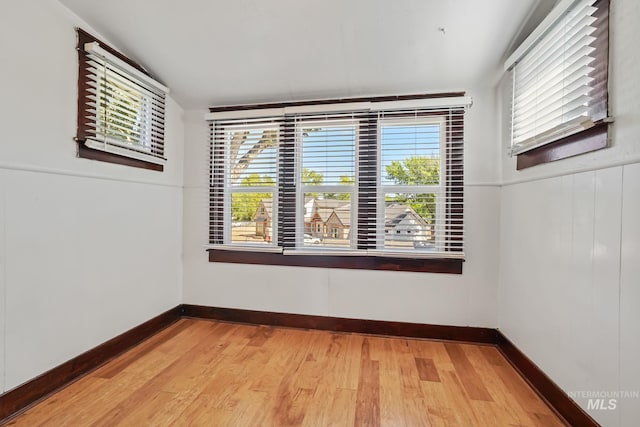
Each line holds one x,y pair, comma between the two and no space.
440,265
586,141
85,152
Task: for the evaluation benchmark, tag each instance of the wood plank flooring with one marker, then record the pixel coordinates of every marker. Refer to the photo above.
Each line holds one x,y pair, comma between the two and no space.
207,373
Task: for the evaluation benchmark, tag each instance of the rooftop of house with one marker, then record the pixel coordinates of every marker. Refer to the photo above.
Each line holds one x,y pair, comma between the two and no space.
343,214
395,213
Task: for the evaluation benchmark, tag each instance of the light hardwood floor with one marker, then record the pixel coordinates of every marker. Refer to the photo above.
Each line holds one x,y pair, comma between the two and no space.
205,373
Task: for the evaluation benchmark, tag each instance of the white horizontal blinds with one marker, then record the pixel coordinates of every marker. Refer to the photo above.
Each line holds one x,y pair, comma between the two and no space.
125,113
453,228
421,181
368,182
553,82
288,185
600,85
326,176
217,149
380,179
244,182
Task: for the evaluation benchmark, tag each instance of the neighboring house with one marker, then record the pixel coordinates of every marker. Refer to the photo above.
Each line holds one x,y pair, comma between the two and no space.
262,219
402,223
329,218
317,213
338,225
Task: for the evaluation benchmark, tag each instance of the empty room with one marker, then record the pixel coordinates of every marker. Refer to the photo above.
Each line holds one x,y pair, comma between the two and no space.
296,213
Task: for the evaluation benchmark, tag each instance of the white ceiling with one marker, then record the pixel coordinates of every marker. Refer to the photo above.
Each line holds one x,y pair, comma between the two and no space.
214,52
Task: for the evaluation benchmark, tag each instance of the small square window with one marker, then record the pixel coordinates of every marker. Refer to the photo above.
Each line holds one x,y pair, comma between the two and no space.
121,108
559,83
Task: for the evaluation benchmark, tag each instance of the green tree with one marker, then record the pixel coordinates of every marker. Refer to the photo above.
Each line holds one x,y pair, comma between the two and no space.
344,180
416,170
309,176
244,205
121,111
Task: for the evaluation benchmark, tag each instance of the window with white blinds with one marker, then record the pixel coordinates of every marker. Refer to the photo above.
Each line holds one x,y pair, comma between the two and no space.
326,175
121,107
411,193
559,76
244,182
377,179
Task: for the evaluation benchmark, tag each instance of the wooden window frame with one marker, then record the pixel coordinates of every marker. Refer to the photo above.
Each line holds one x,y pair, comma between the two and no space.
83,124
366,214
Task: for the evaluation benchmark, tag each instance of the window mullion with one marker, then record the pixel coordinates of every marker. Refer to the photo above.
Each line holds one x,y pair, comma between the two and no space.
368,181
287,185
216,186
454,185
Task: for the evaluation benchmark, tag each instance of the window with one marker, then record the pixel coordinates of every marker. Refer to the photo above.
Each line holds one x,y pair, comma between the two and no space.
411,193
326,175
121,108
349,185
560,77
244,168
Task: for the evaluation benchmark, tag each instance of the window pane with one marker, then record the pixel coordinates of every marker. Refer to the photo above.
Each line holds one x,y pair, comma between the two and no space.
328,154
409,221
410,157
253,157
327,220
252,217
121,113
410,154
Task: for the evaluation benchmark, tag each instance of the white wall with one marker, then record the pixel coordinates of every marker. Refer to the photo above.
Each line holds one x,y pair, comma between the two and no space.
88,249
570,249
467,299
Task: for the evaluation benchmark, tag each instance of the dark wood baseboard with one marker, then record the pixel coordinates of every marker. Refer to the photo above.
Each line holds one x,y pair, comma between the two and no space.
340,324
572,413
33,390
